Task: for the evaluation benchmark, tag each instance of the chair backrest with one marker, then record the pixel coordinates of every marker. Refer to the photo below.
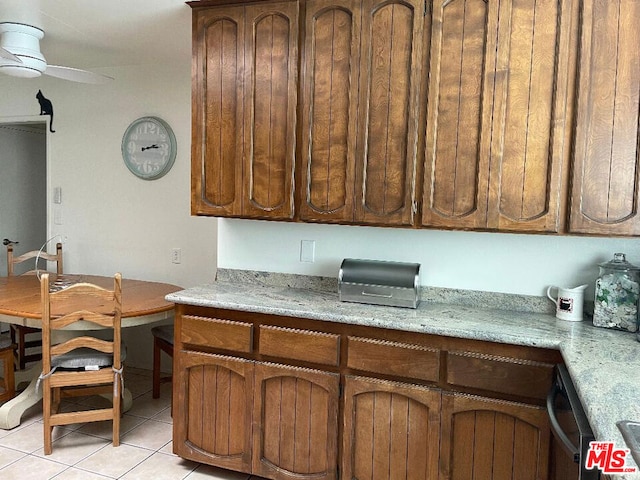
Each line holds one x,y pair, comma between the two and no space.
81,302
12,261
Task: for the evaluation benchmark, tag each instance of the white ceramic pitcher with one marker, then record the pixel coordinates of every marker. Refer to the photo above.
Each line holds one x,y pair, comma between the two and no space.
569,303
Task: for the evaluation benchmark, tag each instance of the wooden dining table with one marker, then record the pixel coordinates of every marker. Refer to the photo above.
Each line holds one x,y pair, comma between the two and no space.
143,302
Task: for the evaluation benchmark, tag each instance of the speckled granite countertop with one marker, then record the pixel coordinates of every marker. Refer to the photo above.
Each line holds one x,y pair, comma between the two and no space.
604,364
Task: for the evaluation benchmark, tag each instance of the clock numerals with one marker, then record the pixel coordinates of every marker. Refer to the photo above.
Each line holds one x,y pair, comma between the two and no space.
149,148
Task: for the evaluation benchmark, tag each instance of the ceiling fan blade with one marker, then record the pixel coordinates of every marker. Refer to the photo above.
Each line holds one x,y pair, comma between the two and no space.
76,75
4,53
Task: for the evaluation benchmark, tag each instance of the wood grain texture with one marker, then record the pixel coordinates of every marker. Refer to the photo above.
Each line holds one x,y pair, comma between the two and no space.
391,430
296,344
217,333
606,175
529,154
217,111
296,410
401,359
391,57
216,424
463,46
484,438
270,79
329,106
500,374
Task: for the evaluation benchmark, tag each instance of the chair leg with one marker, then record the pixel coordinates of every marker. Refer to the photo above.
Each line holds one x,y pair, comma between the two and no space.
21,349
46,416
156,369
9,382
117,405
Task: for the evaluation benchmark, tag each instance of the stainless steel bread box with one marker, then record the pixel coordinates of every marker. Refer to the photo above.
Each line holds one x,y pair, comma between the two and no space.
377,282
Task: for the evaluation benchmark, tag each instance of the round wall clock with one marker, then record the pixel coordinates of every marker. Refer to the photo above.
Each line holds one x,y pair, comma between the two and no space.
149,148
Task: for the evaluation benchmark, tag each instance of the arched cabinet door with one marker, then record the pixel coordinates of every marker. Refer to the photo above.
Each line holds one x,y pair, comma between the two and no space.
498,112
295,423
487,438
390,430
244,97
215,424
329,110
392,63
217,111
606,171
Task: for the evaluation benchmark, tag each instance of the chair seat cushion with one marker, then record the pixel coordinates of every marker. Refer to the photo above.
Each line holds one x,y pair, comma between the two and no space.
164,332
86,357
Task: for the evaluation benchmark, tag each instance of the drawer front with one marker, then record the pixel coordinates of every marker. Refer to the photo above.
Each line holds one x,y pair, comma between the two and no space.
392,358
304,345
217,333
499,374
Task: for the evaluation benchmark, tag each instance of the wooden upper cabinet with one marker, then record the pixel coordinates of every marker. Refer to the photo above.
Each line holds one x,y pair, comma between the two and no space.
217,111
463,46
530,147
244,104
359,130
391,59
329,106
271,59
496,114
606,173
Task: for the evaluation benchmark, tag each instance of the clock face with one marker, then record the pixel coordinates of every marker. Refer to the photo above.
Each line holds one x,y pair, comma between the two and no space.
149,148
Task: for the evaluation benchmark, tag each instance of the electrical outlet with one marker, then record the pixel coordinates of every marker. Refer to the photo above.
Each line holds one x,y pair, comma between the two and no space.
176,255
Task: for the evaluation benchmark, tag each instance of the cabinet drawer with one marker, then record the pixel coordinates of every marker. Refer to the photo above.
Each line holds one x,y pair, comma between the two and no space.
512,376
305,345
217,333
391,358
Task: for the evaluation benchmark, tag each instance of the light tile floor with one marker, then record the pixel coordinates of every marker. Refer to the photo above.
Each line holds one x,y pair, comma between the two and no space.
85,451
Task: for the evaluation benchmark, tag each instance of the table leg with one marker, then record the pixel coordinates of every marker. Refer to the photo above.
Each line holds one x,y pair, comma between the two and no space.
11,412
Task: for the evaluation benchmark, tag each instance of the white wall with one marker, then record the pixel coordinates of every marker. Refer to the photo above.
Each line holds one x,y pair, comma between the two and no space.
112,220
509,263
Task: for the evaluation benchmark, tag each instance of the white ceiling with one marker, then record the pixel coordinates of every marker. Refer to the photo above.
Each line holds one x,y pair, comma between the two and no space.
106,33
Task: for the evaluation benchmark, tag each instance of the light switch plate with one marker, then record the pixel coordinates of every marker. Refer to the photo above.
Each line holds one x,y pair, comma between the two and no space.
308,251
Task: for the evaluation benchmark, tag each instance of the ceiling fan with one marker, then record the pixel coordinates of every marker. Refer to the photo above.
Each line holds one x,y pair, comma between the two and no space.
20,56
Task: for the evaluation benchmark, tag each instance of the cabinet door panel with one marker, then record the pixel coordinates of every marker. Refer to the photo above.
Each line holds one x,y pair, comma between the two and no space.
332,56
463,47
485,438
217,112
528,147
392,49
297,411
391,430
270,96
215,425
607,171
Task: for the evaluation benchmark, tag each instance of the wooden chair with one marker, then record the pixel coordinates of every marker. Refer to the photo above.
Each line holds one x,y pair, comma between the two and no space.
8,381
82,365
162,341
19,332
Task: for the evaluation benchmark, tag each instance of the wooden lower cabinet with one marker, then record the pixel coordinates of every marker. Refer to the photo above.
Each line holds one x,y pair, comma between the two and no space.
212,421
363,404
391,430
493,439
295,423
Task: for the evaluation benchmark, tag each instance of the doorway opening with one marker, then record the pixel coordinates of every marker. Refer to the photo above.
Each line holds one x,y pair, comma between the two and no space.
23,185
